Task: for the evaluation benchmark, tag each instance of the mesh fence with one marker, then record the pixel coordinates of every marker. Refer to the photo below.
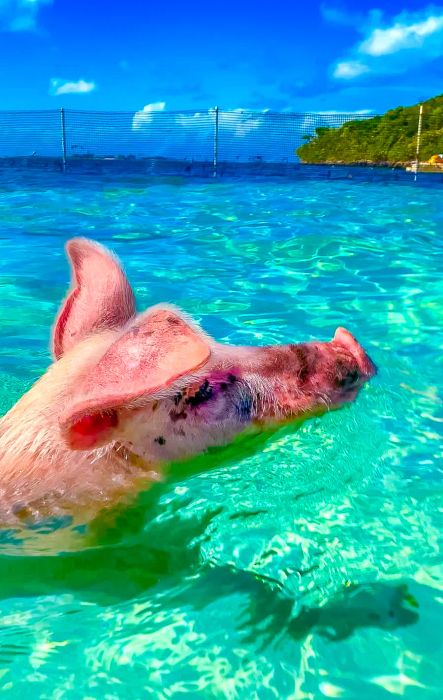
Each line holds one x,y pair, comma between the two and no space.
206,142
30,133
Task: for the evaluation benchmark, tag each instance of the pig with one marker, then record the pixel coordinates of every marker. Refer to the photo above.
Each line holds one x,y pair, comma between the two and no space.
129,393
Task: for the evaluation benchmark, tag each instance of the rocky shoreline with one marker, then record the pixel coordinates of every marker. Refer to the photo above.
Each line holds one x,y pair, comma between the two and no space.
393,165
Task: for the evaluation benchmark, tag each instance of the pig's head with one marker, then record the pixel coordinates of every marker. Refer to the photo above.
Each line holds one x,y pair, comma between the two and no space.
309,379
159,386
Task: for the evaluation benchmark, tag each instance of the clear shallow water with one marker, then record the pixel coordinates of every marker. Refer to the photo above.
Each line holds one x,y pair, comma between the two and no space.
310,569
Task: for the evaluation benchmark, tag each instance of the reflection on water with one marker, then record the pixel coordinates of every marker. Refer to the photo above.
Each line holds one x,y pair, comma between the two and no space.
296,565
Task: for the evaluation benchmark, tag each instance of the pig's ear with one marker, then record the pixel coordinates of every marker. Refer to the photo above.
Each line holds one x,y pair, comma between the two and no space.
100,297
150,354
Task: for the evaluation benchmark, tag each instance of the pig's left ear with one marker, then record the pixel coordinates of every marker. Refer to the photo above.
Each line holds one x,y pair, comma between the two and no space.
100,298
154,351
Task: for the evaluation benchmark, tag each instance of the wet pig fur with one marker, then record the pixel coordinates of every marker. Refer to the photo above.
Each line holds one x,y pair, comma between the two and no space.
128,393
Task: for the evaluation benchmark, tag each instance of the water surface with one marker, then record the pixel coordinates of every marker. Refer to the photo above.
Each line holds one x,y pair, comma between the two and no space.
310,569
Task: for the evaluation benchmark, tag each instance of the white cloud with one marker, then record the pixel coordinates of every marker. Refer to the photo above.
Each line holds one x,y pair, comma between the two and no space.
198,119
58,87
240,122
393,46
401,36
357,112
20,15
349,69
146,115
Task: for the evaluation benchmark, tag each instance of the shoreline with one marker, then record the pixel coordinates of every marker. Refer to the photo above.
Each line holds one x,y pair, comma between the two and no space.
158,166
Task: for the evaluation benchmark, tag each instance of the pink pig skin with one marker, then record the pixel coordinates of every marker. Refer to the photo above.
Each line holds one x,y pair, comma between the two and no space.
129,393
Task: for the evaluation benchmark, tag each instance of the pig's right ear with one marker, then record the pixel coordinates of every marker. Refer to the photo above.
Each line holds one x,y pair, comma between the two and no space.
100,298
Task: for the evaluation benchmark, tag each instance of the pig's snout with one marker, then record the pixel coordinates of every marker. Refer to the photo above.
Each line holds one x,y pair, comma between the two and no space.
366,367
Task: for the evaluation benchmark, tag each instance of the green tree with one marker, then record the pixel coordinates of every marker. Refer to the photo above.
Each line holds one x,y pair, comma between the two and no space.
390,138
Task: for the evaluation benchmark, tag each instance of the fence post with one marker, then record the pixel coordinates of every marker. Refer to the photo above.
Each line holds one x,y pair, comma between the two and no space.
417,153
215,161
63,138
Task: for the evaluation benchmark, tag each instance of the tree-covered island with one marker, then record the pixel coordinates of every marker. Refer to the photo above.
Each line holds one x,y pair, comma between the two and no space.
389,139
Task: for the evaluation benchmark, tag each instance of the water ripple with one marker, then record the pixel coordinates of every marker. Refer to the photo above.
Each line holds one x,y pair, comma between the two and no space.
240,577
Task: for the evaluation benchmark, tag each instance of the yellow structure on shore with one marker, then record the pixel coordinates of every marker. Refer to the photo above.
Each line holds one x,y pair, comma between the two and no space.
436,160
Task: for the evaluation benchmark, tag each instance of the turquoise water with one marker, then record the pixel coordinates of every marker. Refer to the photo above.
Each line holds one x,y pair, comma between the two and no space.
311,569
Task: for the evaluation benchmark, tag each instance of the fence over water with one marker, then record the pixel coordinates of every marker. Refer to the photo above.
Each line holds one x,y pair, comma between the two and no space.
208,137
205,143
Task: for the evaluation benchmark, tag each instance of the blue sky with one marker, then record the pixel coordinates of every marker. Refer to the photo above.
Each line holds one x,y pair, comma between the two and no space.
279,55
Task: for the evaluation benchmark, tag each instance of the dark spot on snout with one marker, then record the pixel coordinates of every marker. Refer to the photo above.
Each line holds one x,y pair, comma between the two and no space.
160,439
232,378
177,398
173,320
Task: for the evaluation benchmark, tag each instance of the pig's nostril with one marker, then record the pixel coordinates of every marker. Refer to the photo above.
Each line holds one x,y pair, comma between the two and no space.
349,380
353,376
